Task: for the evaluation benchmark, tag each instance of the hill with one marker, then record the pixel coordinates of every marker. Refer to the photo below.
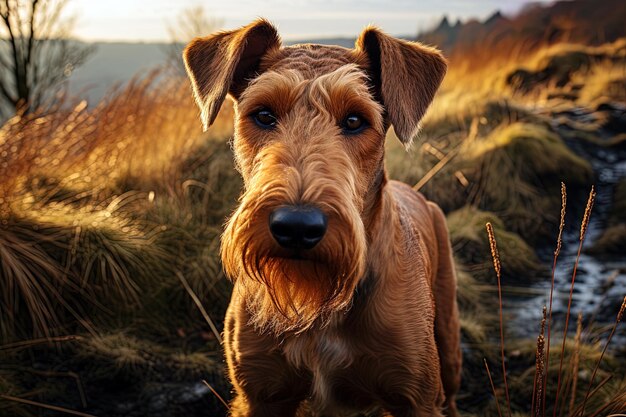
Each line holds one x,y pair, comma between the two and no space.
535,26
113,63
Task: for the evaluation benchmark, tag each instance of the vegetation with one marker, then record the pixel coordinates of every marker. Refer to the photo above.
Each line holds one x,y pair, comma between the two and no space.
110,219
36,54
613,240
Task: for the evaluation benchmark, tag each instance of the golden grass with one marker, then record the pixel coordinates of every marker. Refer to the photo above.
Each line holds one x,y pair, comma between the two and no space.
73,230
613,398
557,251
496,266
471,246
583,230
518,165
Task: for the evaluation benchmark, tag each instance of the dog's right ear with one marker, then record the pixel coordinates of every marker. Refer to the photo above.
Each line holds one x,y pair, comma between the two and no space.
224,63
405,76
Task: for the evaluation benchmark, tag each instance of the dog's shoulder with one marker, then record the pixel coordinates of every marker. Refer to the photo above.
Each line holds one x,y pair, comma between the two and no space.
423,219
413,203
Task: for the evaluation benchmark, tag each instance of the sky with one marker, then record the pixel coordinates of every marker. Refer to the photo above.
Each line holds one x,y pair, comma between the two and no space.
148,20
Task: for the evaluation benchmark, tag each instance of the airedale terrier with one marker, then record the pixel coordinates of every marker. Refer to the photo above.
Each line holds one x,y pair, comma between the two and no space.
344,287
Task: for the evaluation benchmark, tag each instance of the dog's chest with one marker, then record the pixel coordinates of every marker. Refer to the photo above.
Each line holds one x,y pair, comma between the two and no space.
320,347
325,354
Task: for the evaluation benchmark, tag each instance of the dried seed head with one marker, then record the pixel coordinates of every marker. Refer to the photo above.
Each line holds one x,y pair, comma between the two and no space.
587,215
494,249
540,344
559,240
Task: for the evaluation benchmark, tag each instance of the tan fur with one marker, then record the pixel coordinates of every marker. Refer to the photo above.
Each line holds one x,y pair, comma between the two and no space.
367,319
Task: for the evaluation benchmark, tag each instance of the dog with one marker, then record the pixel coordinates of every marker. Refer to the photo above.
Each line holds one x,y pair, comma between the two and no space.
344,286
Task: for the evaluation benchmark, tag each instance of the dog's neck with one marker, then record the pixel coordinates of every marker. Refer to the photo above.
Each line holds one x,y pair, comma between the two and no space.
382,223
373,201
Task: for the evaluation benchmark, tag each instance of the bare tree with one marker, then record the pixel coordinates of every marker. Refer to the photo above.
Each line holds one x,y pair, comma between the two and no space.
190,23
36,52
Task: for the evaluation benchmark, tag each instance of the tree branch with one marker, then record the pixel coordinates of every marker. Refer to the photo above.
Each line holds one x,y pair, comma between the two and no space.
37,53
31,34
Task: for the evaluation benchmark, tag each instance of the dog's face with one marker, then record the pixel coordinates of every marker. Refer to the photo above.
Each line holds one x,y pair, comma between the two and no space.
309,142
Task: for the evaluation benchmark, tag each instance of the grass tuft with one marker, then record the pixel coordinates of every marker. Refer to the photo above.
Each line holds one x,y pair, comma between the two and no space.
538,385
496,266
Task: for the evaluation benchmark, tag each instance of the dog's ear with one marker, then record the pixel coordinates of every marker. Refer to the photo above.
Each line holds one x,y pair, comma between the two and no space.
224,63
405,76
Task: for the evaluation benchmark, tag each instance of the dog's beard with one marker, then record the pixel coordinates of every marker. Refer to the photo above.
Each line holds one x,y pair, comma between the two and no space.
288,291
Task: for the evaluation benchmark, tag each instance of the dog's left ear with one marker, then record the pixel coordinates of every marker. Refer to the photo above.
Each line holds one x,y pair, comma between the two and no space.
405,76
224,63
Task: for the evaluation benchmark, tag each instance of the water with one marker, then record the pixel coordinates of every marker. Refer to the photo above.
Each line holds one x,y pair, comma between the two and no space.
600,284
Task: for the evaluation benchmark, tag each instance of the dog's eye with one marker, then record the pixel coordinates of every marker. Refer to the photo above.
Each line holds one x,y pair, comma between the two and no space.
353,123
265,119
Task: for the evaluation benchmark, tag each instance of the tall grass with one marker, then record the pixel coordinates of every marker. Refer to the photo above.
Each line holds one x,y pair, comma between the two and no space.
78,188
583,231
615,402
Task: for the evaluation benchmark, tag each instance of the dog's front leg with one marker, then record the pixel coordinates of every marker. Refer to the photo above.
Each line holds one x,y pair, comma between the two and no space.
415,412
414,394
241,406
265,384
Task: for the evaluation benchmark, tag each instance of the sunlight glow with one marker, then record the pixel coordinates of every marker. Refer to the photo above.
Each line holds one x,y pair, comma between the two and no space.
147,20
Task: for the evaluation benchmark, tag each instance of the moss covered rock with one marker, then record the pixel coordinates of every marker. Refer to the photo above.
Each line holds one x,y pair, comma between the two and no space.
471,246
516,172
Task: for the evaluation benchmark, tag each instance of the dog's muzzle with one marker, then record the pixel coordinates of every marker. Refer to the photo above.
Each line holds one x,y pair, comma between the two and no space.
298,227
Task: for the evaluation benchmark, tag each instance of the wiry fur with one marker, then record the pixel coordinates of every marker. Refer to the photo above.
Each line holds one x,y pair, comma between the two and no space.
367,318
309,165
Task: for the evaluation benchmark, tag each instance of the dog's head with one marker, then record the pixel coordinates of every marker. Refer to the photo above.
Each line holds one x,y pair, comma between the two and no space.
309,138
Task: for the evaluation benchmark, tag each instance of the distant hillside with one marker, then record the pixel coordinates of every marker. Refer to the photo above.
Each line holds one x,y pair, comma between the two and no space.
582,21
114,63
579,21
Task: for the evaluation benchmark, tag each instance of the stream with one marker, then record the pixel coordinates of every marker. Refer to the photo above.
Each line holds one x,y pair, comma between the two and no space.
600,283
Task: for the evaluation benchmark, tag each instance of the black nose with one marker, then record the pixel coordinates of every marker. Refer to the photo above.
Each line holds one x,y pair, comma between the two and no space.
298,227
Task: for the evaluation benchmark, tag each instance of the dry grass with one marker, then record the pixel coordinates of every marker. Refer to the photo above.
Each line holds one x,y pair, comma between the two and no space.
517,164
83,194
99,209
613,396
557,251
496,266
583,229
466,225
